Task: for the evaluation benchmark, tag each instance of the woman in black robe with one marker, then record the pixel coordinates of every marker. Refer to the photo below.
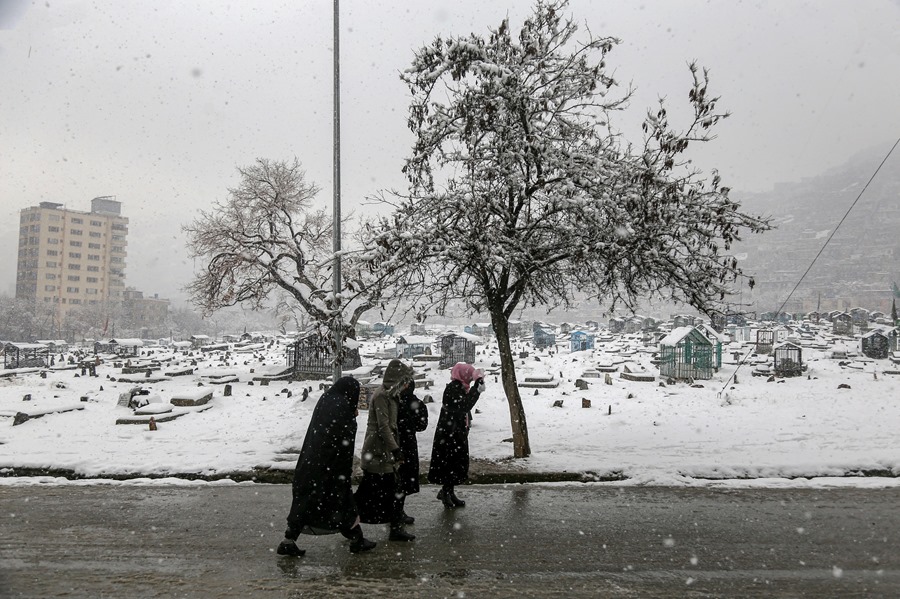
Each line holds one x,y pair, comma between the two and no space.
412,418
450,452
322,496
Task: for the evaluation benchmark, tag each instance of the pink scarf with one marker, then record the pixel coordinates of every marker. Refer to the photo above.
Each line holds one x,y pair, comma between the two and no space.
465,374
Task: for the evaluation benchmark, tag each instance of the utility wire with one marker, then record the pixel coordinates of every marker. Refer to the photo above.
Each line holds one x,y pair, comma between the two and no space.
827,241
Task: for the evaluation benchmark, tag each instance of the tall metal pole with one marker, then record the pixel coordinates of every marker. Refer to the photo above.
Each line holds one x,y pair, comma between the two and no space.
338,324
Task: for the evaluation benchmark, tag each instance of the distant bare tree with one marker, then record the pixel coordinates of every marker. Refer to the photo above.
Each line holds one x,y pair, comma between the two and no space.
266,235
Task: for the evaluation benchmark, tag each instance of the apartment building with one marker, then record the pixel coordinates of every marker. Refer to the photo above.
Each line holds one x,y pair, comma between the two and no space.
70,258
145,316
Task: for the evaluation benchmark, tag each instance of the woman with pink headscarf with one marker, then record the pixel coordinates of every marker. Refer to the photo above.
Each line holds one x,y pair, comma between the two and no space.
450,452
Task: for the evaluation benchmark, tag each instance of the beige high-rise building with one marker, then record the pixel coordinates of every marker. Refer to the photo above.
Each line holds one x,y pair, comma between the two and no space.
69,258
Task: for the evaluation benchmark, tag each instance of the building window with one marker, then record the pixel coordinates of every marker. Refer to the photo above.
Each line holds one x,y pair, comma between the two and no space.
93,268
52,253
77,221
74,301
118,238
91,279
35,228
93,256
50,276
51,264
74,266
53,241
118,248
75,231
91,291
115,259
72,289
96,223
95,234
34,240
76,244
75,255
74,278
53,229
49,287
53,218
94,246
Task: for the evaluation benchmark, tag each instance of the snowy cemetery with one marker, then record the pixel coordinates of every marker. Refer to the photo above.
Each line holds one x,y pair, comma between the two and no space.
635,401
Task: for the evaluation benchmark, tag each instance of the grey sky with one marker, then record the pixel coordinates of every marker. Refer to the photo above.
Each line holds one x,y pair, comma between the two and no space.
156,103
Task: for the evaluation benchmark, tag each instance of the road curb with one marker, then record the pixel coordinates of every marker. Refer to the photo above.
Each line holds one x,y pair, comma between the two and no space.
490,474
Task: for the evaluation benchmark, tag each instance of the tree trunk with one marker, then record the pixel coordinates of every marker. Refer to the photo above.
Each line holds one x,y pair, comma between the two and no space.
521,445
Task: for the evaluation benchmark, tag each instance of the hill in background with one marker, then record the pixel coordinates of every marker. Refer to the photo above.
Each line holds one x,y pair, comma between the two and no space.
859,263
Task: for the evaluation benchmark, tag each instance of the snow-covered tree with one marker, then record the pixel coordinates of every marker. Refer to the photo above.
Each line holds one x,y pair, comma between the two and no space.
522,194
24,320
267,235
95,321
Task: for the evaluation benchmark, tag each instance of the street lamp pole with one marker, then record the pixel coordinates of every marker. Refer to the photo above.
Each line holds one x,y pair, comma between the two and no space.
337,323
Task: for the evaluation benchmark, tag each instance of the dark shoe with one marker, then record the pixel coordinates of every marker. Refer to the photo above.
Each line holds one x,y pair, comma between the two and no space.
456,500
445,499
288,547
398,534
408,519
361,544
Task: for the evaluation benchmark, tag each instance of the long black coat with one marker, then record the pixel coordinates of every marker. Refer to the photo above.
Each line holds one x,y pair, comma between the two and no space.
450,452
322,497
412,418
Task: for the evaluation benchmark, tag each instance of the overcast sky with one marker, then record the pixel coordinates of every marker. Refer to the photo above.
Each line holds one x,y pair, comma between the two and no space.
157,102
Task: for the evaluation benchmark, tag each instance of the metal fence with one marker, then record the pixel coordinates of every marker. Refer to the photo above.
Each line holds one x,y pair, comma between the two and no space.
311,358
456,349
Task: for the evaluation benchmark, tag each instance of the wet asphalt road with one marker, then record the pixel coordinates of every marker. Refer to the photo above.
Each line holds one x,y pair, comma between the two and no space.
510,541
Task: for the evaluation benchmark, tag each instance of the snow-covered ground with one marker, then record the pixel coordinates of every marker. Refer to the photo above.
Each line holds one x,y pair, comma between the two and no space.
794,431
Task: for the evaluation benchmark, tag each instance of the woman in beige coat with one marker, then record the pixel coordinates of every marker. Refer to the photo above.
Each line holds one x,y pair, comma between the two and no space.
377,497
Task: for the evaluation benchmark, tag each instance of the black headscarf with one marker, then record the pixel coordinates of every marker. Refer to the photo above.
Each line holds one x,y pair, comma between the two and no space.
323,499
